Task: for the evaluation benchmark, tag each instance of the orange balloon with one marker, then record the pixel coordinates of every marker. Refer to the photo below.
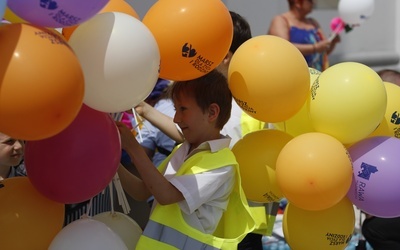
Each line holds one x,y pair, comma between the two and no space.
42,83
314,171
111,6
28,219
265,83
193,36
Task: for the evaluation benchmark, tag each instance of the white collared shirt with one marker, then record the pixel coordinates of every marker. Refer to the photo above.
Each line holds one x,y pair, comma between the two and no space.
206,194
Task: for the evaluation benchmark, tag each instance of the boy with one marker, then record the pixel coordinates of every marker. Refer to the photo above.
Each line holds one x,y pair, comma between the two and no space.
198,197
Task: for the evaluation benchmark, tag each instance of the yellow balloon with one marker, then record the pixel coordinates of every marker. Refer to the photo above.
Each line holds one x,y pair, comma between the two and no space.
390,125
256,154
10,16
269,78
314,171
28,219
300,123
348,101
331,228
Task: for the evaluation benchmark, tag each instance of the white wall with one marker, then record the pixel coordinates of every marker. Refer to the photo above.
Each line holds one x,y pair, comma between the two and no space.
375,43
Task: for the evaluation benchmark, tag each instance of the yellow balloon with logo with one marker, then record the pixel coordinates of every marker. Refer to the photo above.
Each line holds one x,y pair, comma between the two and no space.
348,101
390,125
300,123
256,154
269,78
331,228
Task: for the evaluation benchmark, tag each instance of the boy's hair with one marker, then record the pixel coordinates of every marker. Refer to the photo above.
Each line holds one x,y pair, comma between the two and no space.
241,31
207,89
390,75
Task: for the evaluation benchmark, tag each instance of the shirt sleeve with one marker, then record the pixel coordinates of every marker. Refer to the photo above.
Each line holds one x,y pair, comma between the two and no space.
210,188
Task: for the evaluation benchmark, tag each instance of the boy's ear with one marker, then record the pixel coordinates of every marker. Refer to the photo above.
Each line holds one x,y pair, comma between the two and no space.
213,111
227,58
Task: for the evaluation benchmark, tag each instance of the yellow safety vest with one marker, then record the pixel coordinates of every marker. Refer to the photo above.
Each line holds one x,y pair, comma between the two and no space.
167,229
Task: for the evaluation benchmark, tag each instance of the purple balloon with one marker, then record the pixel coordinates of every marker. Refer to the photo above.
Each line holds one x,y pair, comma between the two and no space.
56,13
375,187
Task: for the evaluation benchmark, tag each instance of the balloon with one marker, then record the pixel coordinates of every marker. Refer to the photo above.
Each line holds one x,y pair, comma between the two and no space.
260,81
193,36
78,163
256,154
120,60
111,6
42,84
375,176
56,14
348,101
11,17
330,228
87,234
123,225
28,219
314,171
3,5
337,25
355,11
300,123
390,124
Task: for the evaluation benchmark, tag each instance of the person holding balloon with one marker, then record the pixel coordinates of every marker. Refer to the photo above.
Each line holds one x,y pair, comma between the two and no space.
305,33
198,185
237,126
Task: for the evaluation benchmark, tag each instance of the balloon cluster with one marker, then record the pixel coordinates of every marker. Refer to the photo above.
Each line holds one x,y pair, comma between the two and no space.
332,148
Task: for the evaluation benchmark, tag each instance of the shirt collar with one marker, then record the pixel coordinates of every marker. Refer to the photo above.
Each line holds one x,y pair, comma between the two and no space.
213,145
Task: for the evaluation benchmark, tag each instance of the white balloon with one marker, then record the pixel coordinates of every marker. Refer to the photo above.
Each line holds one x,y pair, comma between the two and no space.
87,234
123,225
355,11
120,60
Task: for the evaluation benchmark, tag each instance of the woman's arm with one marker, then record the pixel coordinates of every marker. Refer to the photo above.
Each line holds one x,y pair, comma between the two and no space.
279,27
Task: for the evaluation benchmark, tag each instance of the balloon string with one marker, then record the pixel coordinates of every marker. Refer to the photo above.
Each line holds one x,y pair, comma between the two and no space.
122,201
88,208
135,115
111,197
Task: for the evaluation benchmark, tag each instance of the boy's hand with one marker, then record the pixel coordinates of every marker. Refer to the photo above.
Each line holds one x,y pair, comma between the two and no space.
127,138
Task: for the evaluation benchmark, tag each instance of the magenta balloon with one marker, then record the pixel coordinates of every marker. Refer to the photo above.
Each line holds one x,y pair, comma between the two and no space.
56,13
79,162
376,171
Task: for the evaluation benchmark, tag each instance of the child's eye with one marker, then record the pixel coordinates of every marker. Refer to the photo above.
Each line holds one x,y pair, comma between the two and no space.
10,141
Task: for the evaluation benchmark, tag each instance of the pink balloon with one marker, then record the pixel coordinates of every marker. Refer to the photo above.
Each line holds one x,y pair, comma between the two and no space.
56,13
376,172
79,162
337,25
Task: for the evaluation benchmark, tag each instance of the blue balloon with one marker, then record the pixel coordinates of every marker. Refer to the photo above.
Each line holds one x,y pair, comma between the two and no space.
3,5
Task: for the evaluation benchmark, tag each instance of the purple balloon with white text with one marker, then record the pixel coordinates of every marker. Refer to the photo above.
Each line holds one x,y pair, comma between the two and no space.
376,176
56,13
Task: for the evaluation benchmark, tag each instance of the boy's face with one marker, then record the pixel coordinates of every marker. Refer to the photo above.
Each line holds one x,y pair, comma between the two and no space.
192,120
11,151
